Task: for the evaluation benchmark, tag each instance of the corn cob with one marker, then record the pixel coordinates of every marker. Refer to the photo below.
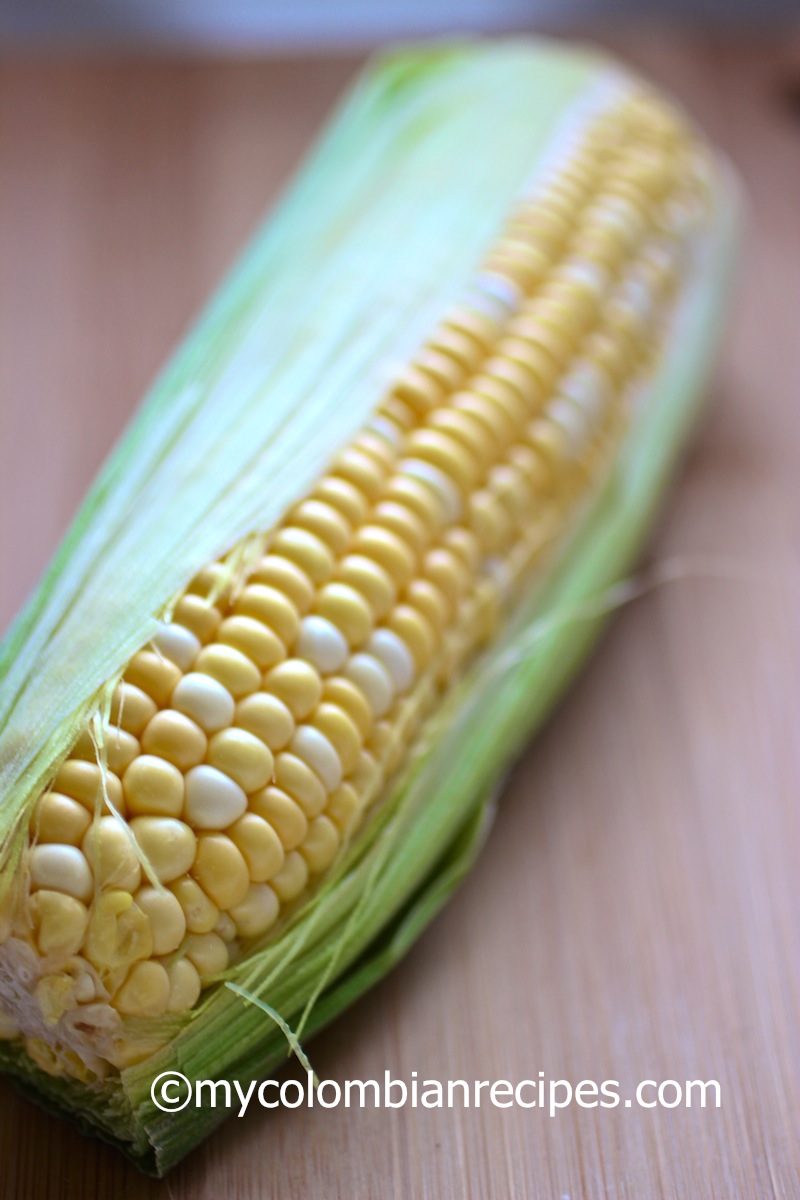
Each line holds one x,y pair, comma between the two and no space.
246,759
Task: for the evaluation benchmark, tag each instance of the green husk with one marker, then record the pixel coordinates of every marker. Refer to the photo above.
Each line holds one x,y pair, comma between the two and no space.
425,835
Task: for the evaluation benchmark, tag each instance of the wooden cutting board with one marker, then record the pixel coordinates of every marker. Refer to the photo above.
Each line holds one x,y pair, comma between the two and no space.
636,913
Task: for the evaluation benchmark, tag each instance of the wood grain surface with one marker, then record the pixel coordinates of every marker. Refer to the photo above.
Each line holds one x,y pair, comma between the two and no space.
636,913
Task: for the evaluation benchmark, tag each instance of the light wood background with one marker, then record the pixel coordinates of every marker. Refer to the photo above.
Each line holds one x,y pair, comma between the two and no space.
636,913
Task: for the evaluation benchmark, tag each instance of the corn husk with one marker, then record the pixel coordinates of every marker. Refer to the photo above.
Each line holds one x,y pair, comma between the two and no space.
374,241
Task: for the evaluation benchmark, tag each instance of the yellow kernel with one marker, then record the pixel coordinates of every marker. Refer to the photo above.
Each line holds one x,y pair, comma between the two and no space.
214,581
220,869
253,639
387,746
344,693
306,550
530,464
347,609
343,496
198,616
200,913
444,452
344,807
207,953
399,414
284,575
272,608
361,470
84,781
294,776
118,932
58,818
292,878
410,625
260,845
444,570
403,521
242,756
388,550
503,396
428,600
267,718
283,813
516,373
321,844
165,914
421,500
225,927
370,580
513,490
184,985
466,429
230,667
493,419
175,737
121,748
59,922
365,776
153,674
455,345
419,389
145,992
341,732
297,684
153,786
441,368
489,521
131,708
323,520
480,329
257,912
550,442
541,352
606,352
110,852
84,747
371,444
167,844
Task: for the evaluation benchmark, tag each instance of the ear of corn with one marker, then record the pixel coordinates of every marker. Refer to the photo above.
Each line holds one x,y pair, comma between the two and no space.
253,718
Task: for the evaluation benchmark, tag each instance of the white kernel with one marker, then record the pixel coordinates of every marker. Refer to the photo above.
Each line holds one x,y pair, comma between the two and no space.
205,700
315,749
572,420
61,868
635,293
395,656
583,270
586,387
370,675
440,484
500,289
213,801
178,644
321,644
